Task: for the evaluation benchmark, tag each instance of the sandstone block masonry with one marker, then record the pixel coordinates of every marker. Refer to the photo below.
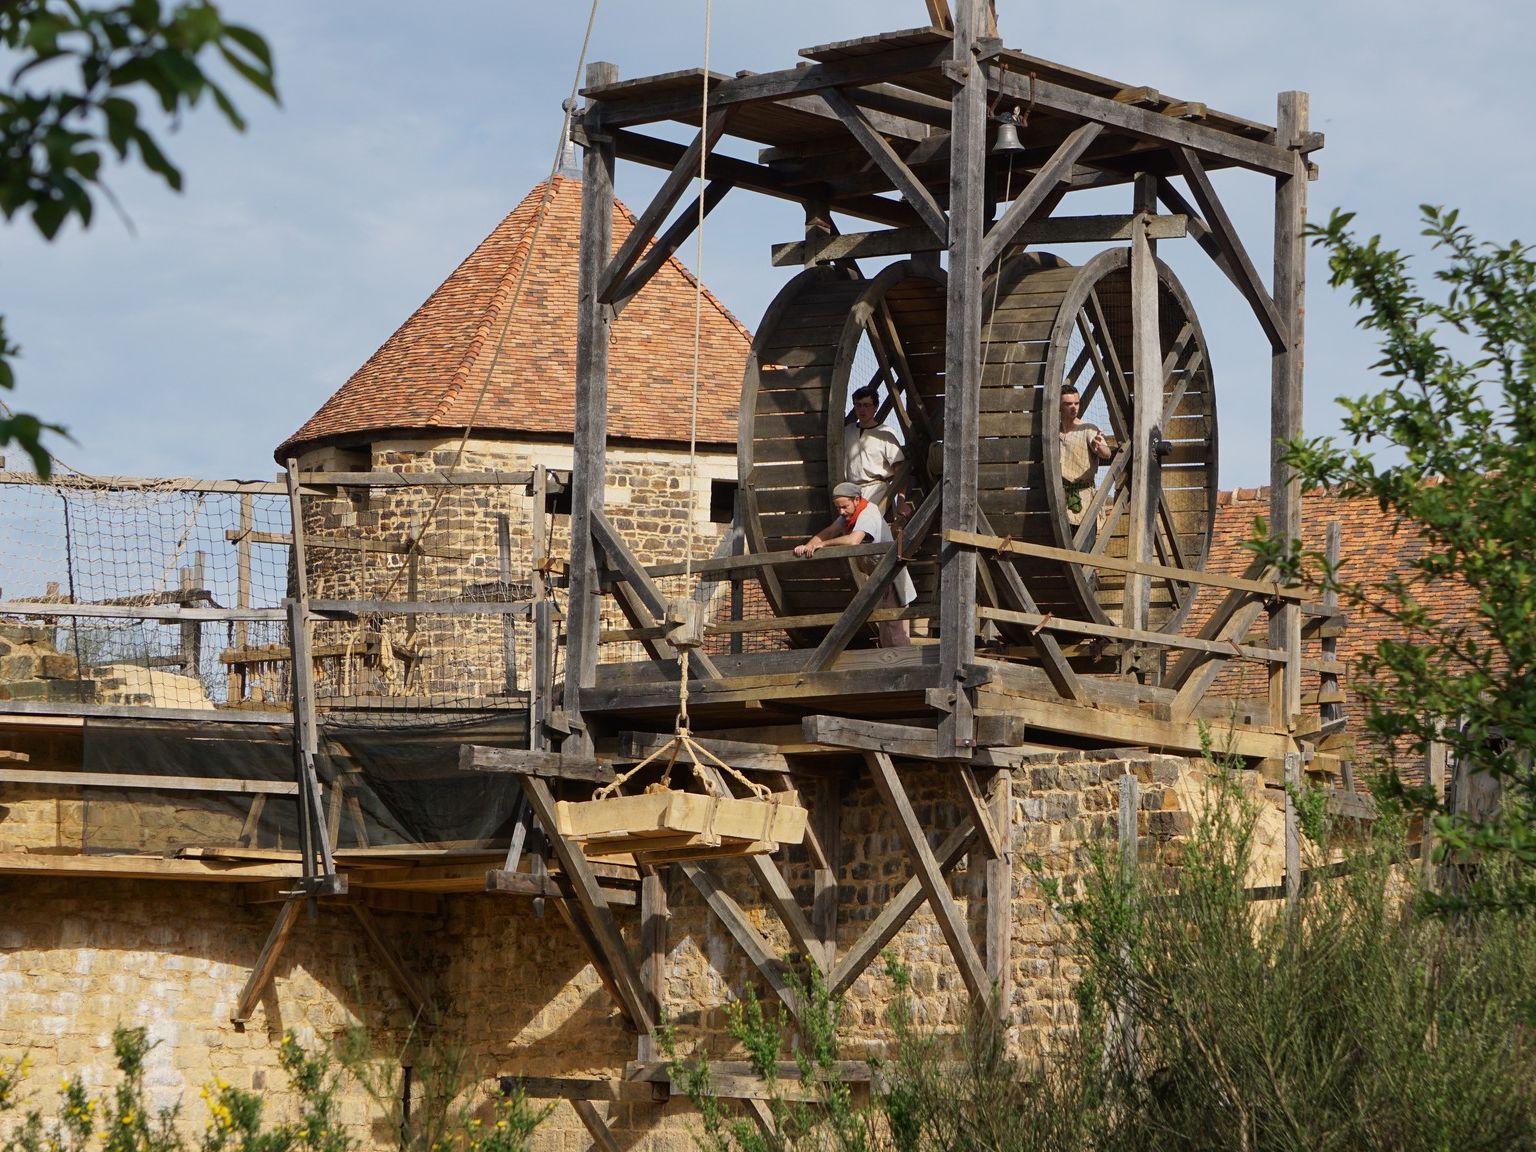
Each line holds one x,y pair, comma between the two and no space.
652,497
519,997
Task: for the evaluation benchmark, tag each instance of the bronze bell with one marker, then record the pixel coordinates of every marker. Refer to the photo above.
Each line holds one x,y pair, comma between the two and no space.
1008,134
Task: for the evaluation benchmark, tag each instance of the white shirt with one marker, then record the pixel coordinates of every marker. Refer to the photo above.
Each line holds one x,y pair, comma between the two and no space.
872,457
874,526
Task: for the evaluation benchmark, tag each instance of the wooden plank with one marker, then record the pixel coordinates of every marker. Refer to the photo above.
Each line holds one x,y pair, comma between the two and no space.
266,961
144,868
595,912
526,762
156,783
1117,564
930,875
653,950
885,157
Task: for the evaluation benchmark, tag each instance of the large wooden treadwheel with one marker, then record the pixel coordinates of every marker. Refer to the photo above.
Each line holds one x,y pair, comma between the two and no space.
1047,324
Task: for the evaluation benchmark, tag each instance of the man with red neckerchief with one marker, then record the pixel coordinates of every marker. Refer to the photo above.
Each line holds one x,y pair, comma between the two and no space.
859,522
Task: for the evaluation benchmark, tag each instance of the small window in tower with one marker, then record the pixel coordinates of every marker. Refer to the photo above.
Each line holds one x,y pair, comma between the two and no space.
722,501
558,503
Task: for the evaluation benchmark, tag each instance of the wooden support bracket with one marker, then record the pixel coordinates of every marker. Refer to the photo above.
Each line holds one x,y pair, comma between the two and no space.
930,874
266,962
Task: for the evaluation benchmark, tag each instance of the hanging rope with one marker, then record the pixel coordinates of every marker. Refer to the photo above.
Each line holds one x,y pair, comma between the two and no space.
698,327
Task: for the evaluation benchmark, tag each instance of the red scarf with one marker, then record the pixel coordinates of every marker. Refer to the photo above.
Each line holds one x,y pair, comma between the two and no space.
858,510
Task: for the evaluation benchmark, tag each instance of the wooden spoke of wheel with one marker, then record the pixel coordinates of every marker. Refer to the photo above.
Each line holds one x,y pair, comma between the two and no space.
890,340
1118,509
1111,475
1169,553
1119,402
1076,371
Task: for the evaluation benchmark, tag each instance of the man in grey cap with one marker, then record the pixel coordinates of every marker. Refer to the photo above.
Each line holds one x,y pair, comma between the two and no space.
859,522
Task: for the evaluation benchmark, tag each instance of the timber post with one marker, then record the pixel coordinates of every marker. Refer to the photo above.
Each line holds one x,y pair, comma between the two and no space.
962,367
594,320
1289,291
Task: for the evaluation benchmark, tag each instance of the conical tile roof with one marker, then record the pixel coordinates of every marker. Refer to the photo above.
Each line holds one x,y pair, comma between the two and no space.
429,375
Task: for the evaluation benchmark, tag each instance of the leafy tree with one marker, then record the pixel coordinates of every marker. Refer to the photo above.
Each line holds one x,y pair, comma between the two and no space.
74,96
1448,449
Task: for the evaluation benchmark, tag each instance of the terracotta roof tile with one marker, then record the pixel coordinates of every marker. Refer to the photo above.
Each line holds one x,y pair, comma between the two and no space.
429,374
1374,546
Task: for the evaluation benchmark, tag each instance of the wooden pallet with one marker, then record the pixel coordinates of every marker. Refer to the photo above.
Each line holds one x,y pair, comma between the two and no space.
665,825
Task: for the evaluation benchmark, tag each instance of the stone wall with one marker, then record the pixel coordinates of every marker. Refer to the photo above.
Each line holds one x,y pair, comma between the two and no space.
78,957
648,498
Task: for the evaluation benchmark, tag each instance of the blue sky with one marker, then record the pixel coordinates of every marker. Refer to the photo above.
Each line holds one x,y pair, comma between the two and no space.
195,342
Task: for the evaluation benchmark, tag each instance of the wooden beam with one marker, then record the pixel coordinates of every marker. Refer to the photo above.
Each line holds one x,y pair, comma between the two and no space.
596,1126
1145,123
1227,239
593,334
593,905
266,962
1052,658
684,172
930,875
526,762
962,366
1286,370
1036,193
755,178
415,992
895,169
1005,547
156,783
1147,407
620,558
999,886
981,812
668,243
1130,635
901,241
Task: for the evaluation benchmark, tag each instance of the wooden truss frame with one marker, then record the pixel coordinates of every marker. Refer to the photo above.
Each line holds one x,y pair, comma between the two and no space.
894,129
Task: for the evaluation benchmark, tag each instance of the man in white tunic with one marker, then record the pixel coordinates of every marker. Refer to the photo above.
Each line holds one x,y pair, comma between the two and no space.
872,454
859,522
